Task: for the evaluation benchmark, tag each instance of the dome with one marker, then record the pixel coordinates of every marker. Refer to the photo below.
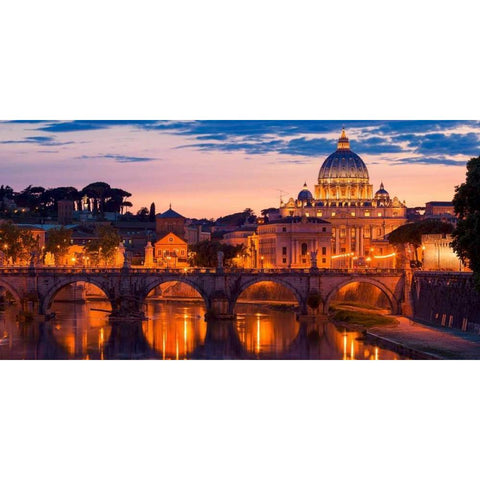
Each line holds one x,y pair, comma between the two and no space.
343,165
305,195
381,193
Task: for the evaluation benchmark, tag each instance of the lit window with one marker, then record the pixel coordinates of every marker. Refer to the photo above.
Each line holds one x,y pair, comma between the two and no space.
319,214
333,214
367,214
379,214
352,214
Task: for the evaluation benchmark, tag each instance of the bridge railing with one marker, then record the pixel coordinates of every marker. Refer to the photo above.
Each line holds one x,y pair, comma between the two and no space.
9,270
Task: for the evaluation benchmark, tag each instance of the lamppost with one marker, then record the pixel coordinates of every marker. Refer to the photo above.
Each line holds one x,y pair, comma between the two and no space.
261,262
5,249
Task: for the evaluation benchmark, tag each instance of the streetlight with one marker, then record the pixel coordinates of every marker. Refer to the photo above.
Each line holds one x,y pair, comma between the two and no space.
261,262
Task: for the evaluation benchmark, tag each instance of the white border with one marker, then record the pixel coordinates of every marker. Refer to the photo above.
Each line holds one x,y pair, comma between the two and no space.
220,60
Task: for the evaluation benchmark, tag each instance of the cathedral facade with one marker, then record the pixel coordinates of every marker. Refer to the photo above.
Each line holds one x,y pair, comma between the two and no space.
360,219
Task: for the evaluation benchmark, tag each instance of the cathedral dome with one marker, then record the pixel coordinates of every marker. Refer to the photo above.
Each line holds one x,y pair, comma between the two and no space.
381,193
343,165
305,195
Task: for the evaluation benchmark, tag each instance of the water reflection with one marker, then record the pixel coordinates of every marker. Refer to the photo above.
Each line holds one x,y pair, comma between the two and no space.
177,330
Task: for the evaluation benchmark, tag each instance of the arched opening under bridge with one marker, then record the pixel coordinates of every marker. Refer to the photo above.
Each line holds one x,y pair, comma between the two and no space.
266,317
81,322
9,295
175,318
362,295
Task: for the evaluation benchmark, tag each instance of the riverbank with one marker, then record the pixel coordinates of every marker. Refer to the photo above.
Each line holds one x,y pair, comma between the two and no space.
409,338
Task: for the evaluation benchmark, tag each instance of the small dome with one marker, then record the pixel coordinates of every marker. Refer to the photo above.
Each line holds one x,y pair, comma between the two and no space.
305,195
381,193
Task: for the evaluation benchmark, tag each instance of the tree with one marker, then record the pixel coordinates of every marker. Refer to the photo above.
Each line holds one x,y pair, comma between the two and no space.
125,205
204,254
142,214
466,236
103,248
115,199
97,191
411,233
16,243
58,242
151,215
30,198
237,219
48,202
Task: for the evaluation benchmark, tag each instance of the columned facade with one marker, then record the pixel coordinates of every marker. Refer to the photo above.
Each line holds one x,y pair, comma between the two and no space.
360,219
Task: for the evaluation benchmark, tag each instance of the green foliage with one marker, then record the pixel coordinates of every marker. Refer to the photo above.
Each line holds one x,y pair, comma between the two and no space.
466,236
412,232
142,214
237,219
44,202
103,248
363,319
204,254
16,243
151,214
58,241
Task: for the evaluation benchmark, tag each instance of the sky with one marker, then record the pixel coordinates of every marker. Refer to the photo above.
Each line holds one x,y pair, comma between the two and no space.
210,168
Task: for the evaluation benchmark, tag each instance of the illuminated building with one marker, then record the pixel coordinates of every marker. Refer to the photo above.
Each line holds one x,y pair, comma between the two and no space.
437,254
170,251
360,219
288,243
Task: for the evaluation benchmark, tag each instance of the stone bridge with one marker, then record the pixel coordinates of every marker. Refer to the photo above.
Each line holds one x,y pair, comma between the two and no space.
127,288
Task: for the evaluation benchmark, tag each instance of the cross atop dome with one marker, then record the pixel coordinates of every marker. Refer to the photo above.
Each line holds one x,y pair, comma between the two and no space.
343,143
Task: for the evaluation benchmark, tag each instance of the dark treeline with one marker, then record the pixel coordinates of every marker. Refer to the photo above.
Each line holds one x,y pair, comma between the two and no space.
99,197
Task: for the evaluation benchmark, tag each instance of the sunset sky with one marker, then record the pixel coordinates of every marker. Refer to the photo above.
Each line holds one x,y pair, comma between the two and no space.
210,168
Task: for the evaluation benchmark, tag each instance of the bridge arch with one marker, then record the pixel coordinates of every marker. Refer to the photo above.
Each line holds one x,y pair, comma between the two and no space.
48,298
301,300
12,290
394,303
161,280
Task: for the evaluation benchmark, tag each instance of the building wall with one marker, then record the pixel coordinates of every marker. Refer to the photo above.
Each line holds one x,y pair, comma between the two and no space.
358,232
439,208
65,212
170,252
289,245
438,255
167,225
237,237
194,234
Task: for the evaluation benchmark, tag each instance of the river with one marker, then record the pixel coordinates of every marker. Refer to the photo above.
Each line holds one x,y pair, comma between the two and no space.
177,330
